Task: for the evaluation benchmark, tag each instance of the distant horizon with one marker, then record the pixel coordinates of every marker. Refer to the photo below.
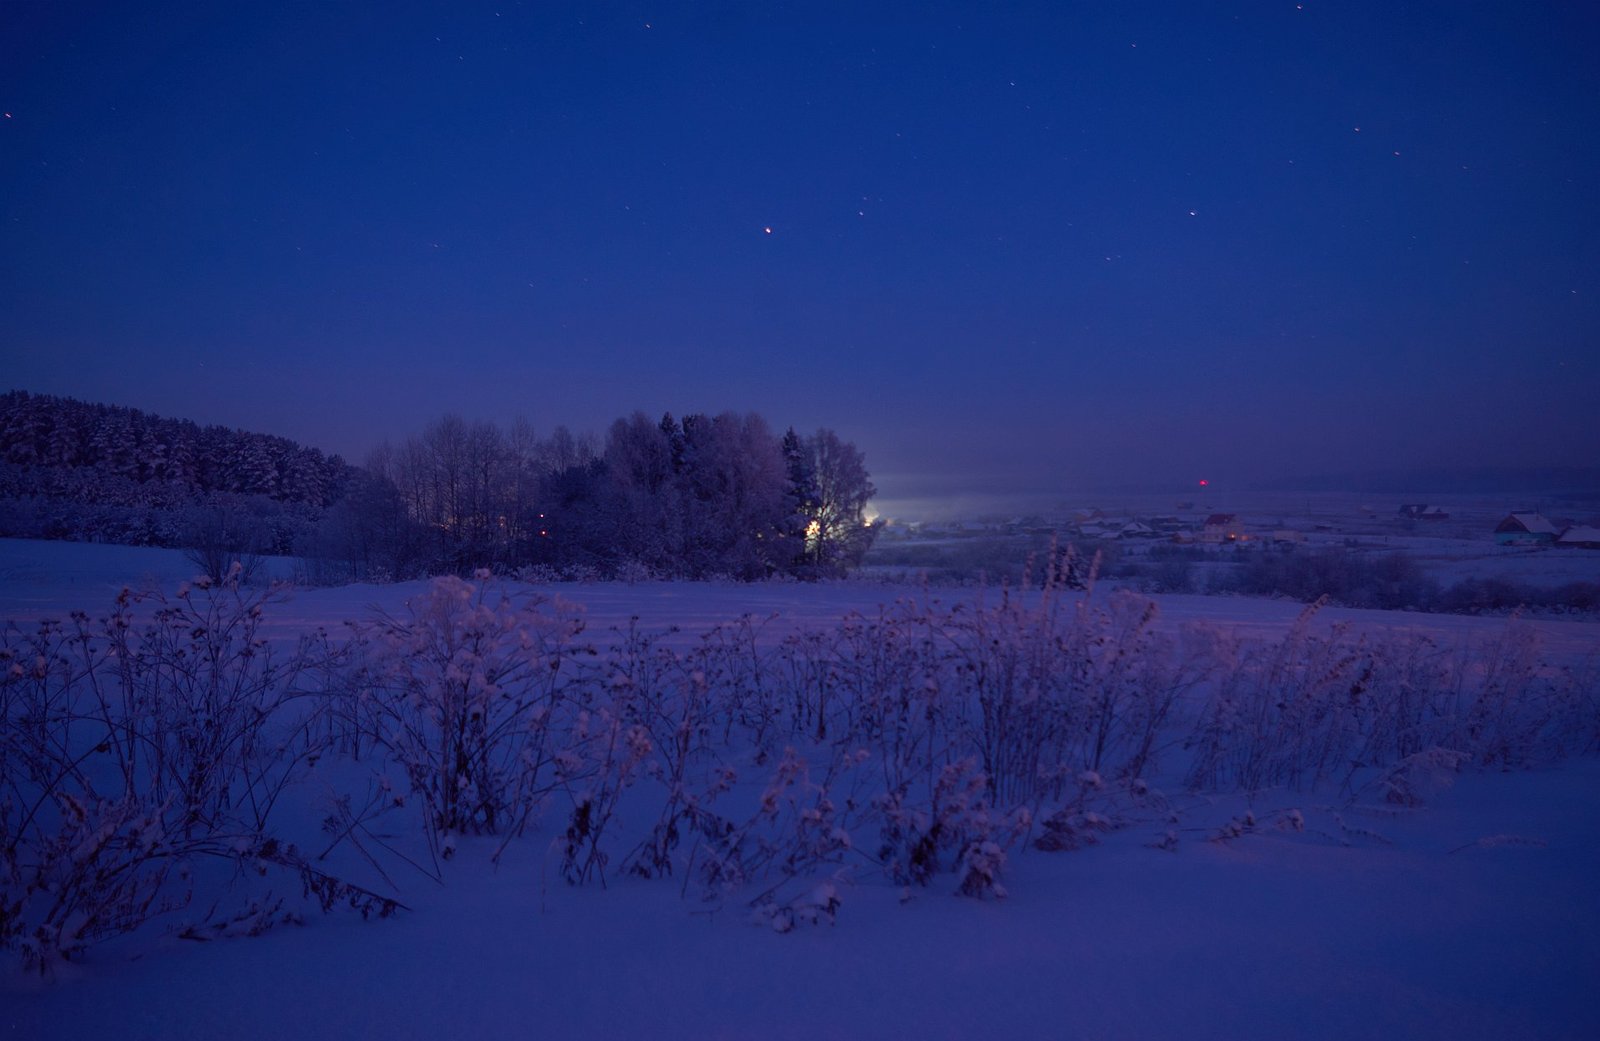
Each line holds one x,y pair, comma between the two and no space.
934,496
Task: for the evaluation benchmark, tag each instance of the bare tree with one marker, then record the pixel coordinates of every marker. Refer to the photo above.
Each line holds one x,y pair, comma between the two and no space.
837,532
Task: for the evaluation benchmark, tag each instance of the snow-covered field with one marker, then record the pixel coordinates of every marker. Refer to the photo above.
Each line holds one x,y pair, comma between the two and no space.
1268,937
43,579
1473,915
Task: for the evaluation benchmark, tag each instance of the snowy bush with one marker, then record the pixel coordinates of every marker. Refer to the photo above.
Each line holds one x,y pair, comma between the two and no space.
465,693
921,745
952,826
1315,707
133,747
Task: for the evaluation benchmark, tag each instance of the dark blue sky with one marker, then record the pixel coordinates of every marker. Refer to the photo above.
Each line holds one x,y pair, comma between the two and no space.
1011,249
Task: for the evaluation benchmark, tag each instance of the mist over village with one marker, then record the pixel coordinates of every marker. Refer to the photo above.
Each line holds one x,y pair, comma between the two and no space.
799,521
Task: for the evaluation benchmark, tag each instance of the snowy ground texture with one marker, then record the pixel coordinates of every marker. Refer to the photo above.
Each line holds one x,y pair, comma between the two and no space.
1408,901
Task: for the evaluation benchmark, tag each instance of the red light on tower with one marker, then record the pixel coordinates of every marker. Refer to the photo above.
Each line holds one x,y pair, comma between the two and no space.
1204,482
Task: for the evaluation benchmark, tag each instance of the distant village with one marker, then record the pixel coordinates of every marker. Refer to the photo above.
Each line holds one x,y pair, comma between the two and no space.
1522,528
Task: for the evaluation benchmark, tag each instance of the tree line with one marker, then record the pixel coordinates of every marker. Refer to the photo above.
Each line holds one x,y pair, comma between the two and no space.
104,473
718,495
43,438
703,496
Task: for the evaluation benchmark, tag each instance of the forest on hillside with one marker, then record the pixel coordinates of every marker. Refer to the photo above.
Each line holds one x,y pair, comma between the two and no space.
698,497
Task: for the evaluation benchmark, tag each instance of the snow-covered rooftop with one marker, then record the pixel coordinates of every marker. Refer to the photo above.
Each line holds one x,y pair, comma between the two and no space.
1533,523
1581,534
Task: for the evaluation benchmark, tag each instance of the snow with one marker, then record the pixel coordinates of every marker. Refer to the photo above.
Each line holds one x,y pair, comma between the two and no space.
40,579
1473,917
1266,937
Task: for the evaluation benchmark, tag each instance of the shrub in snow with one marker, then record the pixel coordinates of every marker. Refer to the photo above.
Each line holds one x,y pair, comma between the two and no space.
687,704
919,741
603,757
225,543
952,826
1054,687
134,747
980,870
795,829
1316,707
463,693
1067,830
633,571
538,574
1417,779
815,905
1504,717
1099,808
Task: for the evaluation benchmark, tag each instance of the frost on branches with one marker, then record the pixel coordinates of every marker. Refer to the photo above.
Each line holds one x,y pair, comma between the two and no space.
921,746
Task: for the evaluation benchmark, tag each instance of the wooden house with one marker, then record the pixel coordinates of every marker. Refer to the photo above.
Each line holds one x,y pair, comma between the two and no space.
1525,528
1580,536
1222,527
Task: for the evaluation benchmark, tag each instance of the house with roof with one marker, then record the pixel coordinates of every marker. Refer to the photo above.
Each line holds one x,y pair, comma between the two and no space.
1423,511
1525,528
1580,536
1222,527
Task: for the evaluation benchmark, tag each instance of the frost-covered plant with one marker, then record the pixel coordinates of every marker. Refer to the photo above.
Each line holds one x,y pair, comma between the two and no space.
981,864
799,826
1076,824
818,904
1278,714
198,685
729,660
654,720
1316,707
538,574
1249,823
463,692
1503,719
603,757
744,762
890,675
133,746
78,869
812,684
1099,807
945,827
685,703
1039,685
1417,778
633,571
348,821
